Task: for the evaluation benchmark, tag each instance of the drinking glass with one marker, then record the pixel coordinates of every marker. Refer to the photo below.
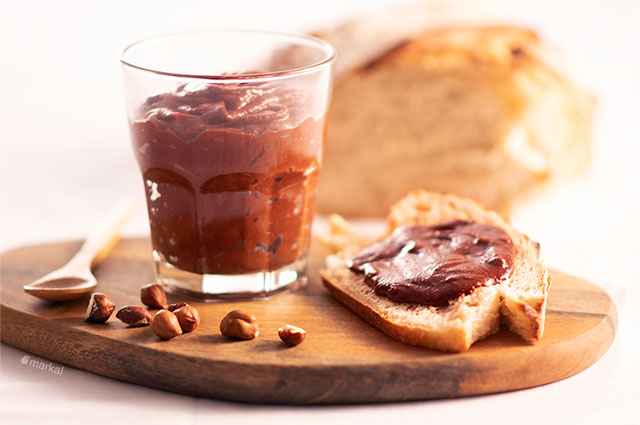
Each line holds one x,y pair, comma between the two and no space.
227,129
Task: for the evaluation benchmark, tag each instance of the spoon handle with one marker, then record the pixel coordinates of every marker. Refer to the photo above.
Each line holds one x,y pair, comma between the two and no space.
105,235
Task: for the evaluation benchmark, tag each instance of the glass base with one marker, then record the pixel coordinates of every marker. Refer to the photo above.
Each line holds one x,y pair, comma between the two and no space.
248,286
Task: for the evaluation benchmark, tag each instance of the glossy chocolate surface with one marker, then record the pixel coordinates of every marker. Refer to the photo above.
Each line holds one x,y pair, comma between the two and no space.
434,264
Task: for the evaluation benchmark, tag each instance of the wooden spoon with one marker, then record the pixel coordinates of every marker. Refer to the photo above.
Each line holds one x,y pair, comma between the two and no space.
75,279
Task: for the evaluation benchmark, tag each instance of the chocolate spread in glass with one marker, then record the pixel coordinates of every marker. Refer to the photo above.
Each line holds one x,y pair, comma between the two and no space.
434,264
230,172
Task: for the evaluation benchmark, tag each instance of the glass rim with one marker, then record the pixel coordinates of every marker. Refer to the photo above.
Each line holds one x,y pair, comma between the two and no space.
329,57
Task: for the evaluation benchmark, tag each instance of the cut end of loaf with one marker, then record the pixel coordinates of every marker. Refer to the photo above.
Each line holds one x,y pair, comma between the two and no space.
534,127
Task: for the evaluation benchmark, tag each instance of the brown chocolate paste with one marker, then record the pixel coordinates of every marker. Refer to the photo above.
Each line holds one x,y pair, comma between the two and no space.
434,264
230,172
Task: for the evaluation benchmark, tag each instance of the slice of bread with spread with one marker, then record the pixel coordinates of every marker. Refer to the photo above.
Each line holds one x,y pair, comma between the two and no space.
518,299
474,110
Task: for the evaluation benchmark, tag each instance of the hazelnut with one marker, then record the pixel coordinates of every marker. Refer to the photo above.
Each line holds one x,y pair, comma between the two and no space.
166,325
292,335
175,306
188,317
100,308
134,315
153,295
239,324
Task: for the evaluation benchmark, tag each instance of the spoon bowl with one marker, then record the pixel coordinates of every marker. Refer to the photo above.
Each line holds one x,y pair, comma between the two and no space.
62,288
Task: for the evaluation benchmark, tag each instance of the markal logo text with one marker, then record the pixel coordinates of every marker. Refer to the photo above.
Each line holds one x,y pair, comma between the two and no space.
48,367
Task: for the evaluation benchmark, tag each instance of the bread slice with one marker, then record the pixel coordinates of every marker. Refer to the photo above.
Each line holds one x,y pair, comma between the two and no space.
519,301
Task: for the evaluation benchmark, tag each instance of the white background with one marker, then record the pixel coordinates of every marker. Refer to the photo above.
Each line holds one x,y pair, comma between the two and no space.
66,158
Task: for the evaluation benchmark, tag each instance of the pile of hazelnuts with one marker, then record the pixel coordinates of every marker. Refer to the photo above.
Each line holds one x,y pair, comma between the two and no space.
175,319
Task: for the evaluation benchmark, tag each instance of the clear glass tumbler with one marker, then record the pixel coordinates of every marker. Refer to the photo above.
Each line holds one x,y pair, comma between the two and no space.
227,128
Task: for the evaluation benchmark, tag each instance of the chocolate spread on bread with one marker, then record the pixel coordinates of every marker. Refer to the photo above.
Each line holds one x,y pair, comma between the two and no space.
230,172
434,264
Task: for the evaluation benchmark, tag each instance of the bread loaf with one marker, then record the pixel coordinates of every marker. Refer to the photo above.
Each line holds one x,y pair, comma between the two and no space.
519,300
473,110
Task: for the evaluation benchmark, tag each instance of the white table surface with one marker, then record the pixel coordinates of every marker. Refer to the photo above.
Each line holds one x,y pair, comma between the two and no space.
66,158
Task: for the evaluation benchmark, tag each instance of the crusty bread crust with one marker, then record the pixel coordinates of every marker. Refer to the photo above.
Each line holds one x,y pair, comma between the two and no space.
519,301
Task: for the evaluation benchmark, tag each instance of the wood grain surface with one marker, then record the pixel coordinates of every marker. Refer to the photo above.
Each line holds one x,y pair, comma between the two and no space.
342,360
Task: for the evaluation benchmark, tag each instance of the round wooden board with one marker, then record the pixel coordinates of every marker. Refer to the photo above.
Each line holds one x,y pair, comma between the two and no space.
343,359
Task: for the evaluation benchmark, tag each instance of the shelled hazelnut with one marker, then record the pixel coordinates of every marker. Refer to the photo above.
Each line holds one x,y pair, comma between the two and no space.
188,317
175,306
100,308
134,316
152,295
239,324
292,335
166,325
